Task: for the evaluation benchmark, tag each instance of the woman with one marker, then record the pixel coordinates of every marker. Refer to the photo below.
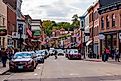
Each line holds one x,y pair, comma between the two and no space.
117,56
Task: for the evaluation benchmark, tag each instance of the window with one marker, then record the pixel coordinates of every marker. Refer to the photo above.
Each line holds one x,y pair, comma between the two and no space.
3,22
120,20
102,23
113,20
107,22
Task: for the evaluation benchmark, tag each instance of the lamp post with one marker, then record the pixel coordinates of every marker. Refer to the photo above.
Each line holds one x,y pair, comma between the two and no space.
20,31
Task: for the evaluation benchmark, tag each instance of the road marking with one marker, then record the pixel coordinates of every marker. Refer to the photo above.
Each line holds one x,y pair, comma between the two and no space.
73,74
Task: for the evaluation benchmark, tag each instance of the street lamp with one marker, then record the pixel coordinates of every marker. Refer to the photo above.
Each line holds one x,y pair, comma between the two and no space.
20,31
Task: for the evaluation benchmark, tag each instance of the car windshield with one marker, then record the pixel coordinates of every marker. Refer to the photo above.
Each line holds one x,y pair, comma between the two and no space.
23,55
74,52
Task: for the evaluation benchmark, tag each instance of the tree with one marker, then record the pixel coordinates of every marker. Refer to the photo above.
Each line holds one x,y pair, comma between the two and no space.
76,22
48,26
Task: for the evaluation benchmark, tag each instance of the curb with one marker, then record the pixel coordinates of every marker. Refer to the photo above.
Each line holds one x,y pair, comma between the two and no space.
93,60
3,73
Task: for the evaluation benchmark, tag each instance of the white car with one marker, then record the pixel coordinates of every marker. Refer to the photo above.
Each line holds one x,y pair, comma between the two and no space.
60,52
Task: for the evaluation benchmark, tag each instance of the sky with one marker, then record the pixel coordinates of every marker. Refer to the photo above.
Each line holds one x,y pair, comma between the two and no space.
57,10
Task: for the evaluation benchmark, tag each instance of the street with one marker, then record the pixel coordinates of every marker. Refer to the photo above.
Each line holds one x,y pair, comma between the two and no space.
63,69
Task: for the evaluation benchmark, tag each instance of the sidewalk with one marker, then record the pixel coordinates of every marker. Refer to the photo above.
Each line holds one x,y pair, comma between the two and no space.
4,69
100,60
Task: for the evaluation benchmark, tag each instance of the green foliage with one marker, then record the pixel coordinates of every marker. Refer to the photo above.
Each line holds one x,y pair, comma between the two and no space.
48,25
76,22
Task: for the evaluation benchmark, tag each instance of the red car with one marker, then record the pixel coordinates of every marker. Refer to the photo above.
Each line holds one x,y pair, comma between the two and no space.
74,54
23,61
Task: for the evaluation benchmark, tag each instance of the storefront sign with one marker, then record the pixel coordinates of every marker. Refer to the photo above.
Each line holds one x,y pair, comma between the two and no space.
3,32
119,35
101,36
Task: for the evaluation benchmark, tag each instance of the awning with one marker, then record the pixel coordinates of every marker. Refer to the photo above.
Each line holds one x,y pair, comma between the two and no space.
29,32
89,42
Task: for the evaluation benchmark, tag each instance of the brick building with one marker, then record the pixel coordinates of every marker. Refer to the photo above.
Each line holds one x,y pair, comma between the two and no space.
11,21
110,24
3,24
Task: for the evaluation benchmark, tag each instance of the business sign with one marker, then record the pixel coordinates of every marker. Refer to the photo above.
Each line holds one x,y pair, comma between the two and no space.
101,36
3,32
119,35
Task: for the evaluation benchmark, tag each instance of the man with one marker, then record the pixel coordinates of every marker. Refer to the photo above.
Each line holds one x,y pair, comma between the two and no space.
3,56
55,54
117,56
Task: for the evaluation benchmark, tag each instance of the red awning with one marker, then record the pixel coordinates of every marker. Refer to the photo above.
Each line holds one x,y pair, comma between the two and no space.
80,45
43,42
29,32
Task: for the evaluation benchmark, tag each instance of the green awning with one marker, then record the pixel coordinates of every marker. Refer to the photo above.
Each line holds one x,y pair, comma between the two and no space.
36,33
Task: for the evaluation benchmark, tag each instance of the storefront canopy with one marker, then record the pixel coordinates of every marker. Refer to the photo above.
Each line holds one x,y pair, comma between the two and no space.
89,42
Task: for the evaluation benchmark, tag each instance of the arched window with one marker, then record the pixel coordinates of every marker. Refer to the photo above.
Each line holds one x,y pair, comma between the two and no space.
107,22
113,20
102,23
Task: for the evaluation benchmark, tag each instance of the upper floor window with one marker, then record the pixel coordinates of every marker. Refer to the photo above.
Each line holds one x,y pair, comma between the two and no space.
107,22
3,22
113,20
102,23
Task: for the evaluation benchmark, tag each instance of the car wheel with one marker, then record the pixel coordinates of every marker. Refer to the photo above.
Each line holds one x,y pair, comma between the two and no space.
32,70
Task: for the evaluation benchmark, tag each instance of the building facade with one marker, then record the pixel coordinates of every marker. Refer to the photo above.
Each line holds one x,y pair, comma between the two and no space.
3,25
110,24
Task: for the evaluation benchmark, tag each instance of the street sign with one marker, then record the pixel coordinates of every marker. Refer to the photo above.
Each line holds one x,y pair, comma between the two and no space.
101,36
119,35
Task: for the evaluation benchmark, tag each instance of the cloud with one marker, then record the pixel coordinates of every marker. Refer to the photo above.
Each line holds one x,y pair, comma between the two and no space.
60,10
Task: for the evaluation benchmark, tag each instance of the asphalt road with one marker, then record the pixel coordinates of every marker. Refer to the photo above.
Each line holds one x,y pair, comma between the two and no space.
63,69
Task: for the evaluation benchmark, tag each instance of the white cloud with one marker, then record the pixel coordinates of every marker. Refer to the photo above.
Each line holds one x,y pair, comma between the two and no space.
60,10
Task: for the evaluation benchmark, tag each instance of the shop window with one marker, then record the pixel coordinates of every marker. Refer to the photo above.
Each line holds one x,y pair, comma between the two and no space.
0,41
120,20
113,20
114,41
3,41
102,23
107,22
3,22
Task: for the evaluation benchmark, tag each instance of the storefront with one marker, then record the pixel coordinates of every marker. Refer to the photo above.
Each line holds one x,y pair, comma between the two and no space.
110,41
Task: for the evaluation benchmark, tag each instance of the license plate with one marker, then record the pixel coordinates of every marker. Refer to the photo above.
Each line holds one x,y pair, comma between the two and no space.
20,67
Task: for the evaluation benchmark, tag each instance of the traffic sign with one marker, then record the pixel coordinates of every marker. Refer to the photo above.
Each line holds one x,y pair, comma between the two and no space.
101,36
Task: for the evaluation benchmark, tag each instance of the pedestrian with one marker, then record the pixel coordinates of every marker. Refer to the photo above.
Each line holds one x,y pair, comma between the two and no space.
55,54
107,53
117,56
104,56
113,53
4,56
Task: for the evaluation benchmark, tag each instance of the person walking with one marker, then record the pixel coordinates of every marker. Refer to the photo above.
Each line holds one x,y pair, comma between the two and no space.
117,56
55,54
107,53
104,56
4,56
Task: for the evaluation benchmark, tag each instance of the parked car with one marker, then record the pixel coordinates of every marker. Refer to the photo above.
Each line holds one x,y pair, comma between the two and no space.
23,61
60,52
74,54
44,53
67,53
51,51
40,57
